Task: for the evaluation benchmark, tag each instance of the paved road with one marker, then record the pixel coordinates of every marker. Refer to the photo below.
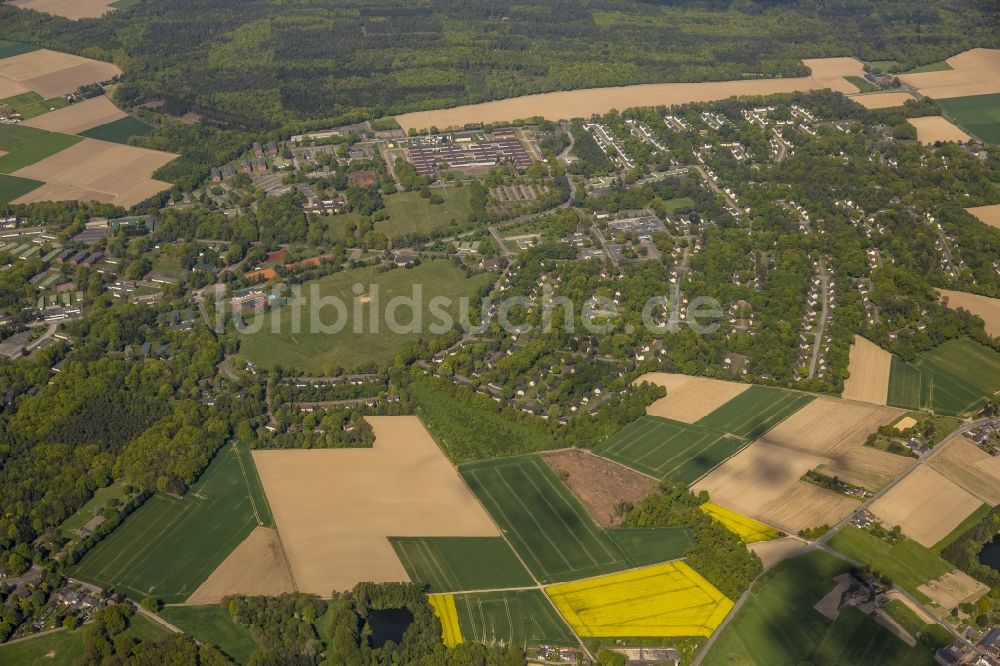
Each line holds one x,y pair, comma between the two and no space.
824,286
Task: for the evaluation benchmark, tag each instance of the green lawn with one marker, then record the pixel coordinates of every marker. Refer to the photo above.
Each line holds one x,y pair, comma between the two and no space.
212,625
9,49
680,203
544,522
862,84
939,66
955,378
907,563
170,545
316,351
651,545
100,499
27,145
64,648
12,187
125,4
31,104
885,66
979,114
515,617
937,635
119,131
755,411
778,624
669,449
452,564
409,213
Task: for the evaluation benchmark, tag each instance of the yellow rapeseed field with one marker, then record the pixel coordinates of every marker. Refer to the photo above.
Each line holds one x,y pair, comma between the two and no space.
744,527
669,599
444,607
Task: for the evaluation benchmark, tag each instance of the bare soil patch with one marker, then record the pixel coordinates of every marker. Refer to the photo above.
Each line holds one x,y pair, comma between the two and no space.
601,485
805,505
927,505
257,566
953,588
882,100
866,467
987,214
869,367
982,306
777,550
335,508
826,73
689,398
970,467
905,423
830,427
973,72
937,128
51,73
829,605
78,117
74,10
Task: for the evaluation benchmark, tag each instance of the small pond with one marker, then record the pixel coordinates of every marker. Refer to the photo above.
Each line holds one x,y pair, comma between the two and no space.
388,625
990,554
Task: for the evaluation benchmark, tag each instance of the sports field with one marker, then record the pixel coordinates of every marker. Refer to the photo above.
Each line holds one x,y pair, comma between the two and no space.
669,449
453,564
669,599
778,625
212,625
955,378
544,522
652,545
317,351
444,608
26,146
511,617
979,114
754,412
12,187
746,528
119,131
170,545
409,213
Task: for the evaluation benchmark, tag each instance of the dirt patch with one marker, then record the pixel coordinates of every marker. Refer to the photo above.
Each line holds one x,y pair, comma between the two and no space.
94,170
362,178
937,128
869,373
50,73
829,605
601,485
905,423
982,306
973,72
335,508
987,214
926,505
689,398
882,100
954,588
970,467
78,117
74,10
257,566
777,550
826,73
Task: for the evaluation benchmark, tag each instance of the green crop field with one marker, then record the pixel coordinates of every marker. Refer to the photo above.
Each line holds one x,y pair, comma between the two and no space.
31,104
9,49
979,114
955,378
27,145
651,545
908,563
669,449
170,545
212,625
311,351
778,624
119,131
12,187
755,411
939,66
64,648
453,564
409,213
862,84
542,519
514,617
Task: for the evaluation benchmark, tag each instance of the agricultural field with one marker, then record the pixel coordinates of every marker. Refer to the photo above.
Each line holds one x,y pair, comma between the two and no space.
454,564
747,529
972,72
984,307
409,213
970,467
778,624
64,648
755,411
318,352
868,366
669,599
74,10
119,131
170,545
444,608
336,508
862,84
979,114
256,567
511,617
953,379
30,104
25,146
211,624
547,526
76,118
8,48
652,545
988,215
882,100
776,551
689,398
931,129
12,187
600,484
50,73
669,449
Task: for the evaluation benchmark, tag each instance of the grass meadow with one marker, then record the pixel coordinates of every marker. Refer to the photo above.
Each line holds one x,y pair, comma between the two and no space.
978,114
119,131
27,145
409,213
64,648
213,625
755,411
454,564
513,617
12,187
31,104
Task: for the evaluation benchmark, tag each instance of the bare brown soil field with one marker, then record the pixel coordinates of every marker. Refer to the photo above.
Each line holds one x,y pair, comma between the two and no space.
689,398
805,506
973,72
257,566
74,10
982,306
2,153
79,117
830,427
866,467
51,73
937,128
953,588
882,100
829,605
970,467
987,214
904,423
599,483
926,505
777,550
10,88
869,368
826,73
99,171
334,508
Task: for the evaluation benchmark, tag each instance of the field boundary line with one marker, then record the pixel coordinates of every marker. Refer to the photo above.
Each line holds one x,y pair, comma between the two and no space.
246,481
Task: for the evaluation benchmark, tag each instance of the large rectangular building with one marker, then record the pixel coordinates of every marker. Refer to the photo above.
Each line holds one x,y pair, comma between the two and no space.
464,152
